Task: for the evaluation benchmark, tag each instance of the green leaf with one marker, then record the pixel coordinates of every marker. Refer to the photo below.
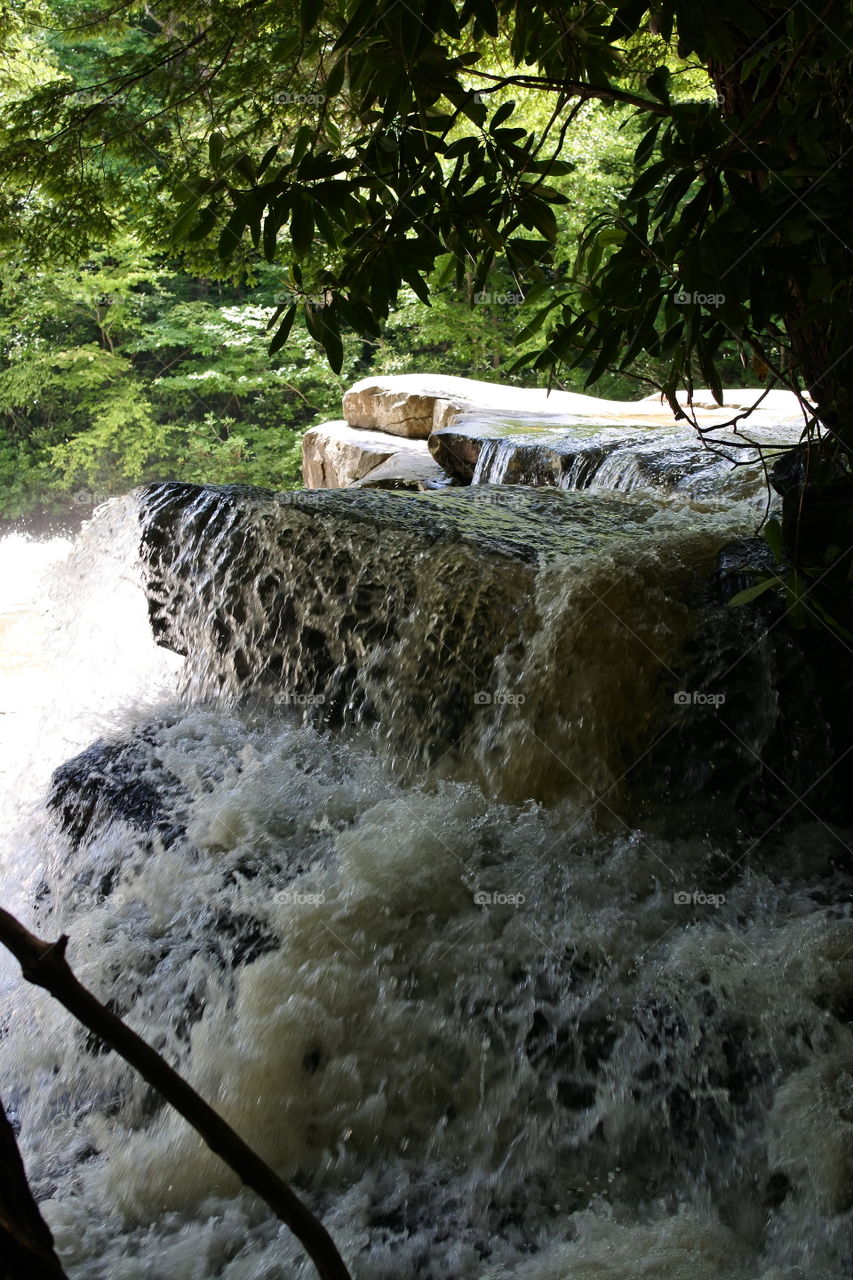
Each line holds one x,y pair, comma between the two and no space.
351,33
335,78
231,233
185,219
415,281
612,235
773,537
303,139
674,192
710,372
538,215
215,147
301,226
649,179
626,19
647,145
284,47
282,333
309,12
484,12
753,592
605,356
267,158
323,326
205,224
658,84
503,113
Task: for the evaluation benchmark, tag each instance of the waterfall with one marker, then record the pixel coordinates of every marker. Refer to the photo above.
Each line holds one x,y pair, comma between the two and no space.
664,459
380,865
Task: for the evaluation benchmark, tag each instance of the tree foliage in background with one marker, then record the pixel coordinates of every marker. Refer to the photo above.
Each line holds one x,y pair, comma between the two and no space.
364,148
123,362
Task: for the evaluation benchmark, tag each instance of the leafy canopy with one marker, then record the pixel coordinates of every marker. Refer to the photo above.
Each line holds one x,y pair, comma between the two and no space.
358,144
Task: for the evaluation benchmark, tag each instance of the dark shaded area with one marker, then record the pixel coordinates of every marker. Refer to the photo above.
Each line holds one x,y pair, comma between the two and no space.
116,780
764,734
26,1243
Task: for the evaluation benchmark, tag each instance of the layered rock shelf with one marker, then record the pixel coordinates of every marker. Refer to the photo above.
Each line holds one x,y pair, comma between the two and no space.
422,431
335,455
546,638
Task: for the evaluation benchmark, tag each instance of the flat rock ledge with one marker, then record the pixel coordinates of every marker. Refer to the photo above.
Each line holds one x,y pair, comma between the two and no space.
421,431
335,455
416,404
454,624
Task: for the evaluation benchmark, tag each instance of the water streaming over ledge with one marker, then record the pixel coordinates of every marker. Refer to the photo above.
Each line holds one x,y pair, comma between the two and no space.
653,458
487,1037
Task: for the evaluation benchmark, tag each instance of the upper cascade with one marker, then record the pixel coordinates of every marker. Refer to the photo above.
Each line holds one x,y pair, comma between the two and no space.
422,431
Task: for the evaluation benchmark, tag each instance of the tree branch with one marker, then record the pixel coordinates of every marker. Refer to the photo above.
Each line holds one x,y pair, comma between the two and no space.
575,89
44,964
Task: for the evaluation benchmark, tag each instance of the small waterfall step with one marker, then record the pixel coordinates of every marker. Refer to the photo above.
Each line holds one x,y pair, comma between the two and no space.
648,451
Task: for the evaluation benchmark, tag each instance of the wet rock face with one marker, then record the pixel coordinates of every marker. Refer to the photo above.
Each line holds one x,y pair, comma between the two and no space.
337,603
544,642
642,451
111,781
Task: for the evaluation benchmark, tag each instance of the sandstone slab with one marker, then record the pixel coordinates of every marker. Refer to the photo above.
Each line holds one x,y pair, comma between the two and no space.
334,454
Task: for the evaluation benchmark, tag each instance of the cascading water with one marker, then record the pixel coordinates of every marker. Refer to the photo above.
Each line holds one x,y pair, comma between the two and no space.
655,458
496,1015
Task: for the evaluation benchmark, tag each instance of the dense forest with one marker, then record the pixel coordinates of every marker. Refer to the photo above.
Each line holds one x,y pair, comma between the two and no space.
127,354
212,221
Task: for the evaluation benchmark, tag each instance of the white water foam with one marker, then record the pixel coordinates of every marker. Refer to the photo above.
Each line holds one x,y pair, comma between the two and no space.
485,1041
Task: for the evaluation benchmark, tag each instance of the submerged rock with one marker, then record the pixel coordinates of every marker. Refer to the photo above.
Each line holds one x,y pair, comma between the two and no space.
406,471
115,781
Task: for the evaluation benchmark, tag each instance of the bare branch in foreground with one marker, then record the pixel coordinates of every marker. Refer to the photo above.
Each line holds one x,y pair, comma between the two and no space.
44,964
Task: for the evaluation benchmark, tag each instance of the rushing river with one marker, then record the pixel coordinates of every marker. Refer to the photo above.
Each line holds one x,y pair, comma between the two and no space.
485,1038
